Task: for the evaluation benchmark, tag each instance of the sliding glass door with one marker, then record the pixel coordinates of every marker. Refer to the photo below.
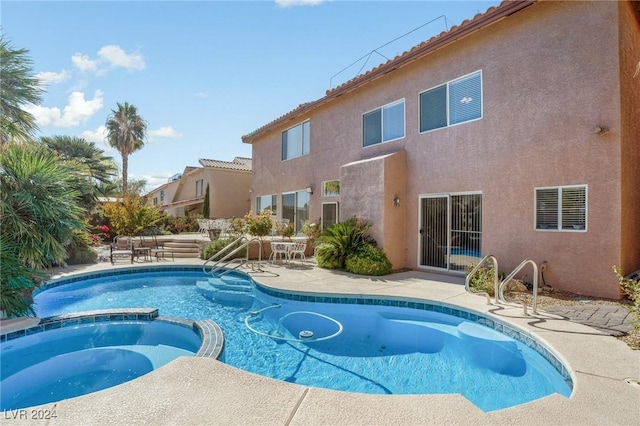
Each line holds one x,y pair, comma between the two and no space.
295,207
450,231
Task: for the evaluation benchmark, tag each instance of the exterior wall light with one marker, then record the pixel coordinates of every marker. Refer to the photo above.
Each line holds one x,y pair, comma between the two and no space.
600,130
309,190
396,201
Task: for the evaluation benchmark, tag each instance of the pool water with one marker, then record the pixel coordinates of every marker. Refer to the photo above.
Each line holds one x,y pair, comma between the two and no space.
381,349
75,360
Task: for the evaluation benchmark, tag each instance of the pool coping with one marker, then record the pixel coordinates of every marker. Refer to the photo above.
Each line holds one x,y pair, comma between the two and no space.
211,335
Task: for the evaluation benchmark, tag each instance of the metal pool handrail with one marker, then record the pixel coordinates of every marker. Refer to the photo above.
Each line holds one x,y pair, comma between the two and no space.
217,265
496,281
534,307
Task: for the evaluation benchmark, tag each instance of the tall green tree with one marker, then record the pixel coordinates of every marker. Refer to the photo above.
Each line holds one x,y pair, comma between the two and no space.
18,87
206,208
94,168
126,131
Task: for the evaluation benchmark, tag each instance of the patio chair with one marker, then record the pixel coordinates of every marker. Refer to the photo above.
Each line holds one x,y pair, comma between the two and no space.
158,250
141,250
122,246
279,249
297,249
203,226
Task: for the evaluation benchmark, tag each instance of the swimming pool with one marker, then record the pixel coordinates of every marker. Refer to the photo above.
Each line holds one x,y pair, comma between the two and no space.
386,346
67,356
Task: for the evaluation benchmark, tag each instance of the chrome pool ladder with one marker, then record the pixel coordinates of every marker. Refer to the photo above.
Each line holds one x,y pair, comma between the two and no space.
500,285
496,283
224,262
534,307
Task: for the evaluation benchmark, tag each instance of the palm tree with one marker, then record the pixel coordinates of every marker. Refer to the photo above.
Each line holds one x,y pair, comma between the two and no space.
18,86
94,167
126,131
38,204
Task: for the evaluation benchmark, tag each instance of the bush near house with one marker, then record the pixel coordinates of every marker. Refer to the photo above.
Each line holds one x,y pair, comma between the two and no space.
258,225
79,250
210,249
483,279
176,225
131,216
632,289
347,243
368,260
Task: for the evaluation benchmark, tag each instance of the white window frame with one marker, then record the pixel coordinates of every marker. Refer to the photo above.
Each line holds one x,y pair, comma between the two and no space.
448,103
382,109
332,194
304,148
337,213
559,228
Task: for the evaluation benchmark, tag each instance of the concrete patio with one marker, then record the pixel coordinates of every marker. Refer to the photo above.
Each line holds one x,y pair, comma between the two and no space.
199,391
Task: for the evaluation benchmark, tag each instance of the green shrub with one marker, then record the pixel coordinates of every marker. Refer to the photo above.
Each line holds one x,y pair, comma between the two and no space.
130,216
214,247
82,256
341,240
368,260
259,225
482,279
79,251
325,258
17,280
632,289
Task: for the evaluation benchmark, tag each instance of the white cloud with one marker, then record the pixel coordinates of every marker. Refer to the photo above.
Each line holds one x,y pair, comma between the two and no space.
165,132
109,57
84,63
96,136
115,56
156,180
291,3
202,95
77,111
50,77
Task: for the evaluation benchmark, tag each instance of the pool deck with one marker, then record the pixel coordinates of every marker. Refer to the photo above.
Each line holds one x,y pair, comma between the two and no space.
198,391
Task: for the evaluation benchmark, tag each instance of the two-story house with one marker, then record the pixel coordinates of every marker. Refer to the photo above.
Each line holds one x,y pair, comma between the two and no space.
516,134
229,184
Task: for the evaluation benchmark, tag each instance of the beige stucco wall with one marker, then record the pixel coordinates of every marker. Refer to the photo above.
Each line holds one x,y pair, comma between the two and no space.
630,135
549,75
228,192
187,191
169,189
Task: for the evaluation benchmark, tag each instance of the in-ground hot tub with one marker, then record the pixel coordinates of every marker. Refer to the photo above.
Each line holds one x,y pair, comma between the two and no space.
71,355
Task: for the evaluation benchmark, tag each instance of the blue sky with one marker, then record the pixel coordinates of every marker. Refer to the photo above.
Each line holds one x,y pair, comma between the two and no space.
203,73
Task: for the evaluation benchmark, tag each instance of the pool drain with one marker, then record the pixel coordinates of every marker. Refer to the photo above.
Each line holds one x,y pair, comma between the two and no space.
632,382
305,334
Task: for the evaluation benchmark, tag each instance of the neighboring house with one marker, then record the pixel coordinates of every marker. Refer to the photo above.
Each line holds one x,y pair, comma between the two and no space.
229,185
515,134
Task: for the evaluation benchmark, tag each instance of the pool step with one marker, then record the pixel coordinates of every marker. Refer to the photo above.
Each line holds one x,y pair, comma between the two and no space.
226,293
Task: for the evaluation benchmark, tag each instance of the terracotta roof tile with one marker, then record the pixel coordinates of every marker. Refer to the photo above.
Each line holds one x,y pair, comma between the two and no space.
238,163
